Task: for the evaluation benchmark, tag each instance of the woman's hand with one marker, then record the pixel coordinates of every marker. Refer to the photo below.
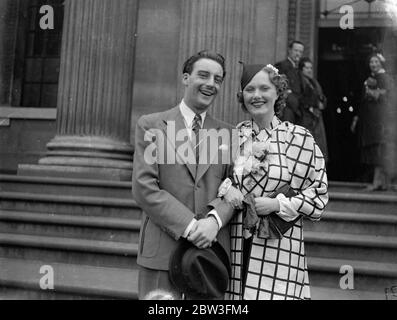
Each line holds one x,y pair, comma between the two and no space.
265,206
234,197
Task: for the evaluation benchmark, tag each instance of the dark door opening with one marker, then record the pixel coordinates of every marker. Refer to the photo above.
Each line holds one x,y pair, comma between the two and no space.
342,70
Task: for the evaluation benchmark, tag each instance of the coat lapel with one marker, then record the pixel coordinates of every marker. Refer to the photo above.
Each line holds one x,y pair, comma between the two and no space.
178,137
208,151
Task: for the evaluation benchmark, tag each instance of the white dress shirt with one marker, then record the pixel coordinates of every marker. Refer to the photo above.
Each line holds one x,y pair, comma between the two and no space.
188,116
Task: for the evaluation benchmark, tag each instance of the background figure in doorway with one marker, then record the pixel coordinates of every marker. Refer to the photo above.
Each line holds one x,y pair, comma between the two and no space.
289,67
370,121
313,104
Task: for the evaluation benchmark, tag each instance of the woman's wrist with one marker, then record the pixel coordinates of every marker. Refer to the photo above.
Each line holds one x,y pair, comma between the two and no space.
276,205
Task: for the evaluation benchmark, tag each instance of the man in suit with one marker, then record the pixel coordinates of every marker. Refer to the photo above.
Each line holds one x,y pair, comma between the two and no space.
289,67
178,194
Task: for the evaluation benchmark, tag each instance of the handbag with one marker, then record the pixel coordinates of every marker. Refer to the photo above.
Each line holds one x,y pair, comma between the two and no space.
278,225
270,226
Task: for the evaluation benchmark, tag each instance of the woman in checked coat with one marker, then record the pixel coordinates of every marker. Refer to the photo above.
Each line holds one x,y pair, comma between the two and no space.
273,155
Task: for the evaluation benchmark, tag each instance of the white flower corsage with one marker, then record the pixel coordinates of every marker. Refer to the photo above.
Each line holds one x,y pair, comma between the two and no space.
253,153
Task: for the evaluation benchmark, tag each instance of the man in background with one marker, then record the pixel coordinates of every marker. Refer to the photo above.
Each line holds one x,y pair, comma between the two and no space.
289,67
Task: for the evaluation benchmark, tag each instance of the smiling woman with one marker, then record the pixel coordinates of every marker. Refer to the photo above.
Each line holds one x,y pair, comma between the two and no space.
274,156
266,88
260,96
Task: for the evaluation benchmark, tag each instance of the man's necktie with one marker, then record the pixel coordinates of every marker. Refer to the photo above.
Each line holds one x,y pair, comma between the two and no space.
196,126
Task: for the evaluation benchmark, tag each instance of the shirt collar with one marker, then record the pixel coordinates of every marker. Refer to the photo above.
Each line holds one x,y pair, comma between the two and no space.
293,62
275,123
188,114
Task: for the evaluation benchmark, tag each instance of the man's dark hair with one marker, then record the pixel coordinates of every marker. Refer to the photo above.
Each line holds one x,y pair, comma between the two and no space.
291,44
205,54
303,61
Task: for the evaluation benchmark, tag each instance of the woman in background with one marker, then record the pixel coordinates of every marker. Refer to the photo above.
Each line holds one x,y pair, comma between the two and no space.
314,103
370,121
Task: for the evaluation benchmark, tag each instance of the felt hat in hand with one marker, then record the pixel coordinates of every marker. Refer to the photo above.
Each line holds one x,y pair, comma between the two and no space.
200,273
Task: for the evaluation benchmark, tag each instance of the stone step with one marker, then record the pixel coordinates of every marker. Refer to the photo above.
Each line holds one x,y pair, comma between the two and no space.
356,187
362,202
355,223
339,201
67,187
21,293
360,187
367,275
351,246
324,293
75,279
70,226
347,185
68,250
70,205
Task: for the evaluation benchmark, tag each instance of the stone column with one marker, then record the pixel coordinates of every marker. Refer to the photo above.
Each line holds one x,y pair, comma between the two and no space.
95,93
390,113
226,27
8,36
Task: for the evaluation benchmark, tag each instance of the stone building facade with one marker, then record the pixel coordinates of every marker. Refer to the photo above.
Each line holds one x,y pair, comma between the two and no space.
70,97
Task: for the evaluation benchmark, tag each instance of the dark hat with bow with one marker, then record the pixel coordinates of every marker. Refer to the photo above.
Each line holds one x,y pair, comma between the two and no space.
200,273
249,71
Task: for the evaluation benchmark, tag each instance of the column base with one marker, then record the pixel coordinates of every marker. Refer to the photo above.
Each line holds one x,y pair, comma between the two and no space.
84,157
75,172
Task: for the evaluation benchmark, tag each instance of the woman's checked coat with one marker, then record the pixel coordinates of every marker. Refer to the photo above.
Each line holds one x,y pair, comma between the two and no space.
278,268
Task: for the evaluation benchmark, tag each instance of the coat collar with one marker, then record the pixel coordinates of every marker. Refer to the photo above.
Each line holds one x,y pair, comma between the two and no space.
256,131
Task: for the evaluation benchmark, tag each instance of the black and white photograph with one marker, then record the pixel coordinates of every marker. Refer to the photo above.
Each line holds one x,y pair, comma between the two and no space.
205,151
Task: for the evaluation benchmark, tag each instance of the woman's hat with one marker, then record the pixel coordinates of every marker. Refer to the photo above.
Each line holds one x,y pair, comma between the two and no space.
249,71
200,273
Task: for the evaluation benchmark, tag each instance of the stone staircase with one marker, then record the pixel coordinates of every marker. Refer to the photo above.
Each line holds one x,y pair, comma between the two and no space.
87,231
358,229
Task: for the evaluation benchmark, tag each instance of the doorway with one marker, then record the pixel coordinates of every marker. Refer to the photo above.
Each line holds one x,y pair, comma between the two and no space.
342,70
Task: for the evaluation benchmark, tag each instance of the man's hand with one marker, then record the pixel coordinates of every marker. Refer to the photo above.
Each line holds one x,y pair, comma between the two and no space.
234,197
204,232
265,206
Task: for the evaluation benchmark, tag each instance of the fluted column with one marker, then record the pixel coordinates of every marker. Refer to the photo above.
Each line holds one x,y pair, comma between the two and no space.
389,114
95,91
226,27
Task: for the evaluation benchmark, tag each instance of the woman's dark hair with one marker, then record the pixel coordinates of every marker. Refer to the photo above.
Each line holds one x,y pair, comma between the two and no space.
303,61
280,81
205,54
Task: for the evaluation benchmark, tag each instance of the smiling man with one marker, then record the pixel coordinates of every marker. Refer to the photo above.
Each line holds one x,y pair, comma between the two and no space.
179,199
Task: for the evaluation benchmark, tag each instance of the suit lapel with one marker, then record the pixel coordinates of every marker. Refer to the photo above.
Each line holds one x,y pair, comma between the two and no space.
208,151
177,135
